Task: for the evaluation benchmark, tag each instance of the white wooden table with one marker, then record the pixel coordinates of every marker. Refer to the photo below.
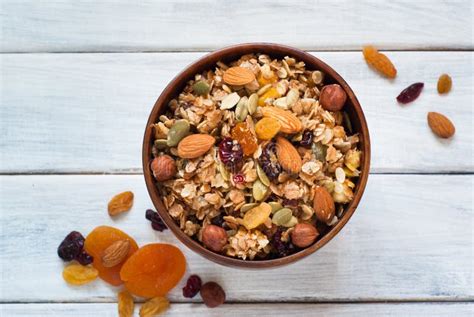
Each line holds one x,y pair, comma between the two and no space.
78,79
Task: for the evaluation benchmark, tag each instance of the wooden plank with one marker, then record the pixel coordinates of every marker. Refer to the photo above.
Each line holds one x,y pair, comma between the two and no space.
65,26
68,113
410,239
270,309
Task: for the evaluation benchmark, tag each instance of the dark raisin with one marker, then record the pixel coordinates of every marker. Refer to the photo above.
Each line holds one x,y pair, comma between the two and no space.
410,93
150,214
71,246
282,249
84,258
192,287
231,154
290,203
269,161
156,221
307,139
218,220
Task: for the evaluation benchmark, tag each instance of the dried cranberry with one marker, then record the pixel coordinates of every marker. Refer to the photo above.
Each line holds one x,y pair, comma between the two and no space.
192,287
307,139
156,221
269,161
84,258
71,246
238,178
231,154
410,93
282,249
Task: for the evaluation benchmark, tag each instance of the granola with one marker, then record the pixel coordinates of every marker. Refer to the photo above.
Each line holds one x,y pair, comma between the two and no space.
250,140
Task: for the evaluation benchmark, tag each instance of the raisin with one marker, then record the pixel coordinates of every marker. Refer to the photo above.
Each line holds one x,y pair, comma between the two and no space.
267,128
120,203
269,161
77,274
410,93
71,246
290,203
307,139
231,154
212,294
379,62
84,258
246,139
271,93
154,307
281,248
156,221
193,286
125,304
444,84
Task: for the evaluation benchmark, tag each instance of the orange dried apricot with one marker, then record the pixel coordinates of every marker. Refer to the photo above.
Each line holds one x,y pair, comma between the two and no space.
78,274
444,84
379,62
271,93
246,139
98,241
120,203
153,270
267,128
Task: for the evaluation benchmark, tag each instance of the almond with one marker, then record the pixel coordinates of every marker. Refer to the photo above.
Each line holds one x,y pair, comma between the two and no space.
440,125
289,122
238,76
195,145
288,156
323,205
115,253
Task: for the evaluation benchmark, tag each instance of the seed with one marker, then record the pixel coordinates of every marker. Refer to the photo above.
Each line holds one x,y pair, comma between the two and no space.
177,132
291,223
225,174
275,206
161,144
241,111
282,216
259,190
247,207
292,96
201,88
264,89
340,175
319,151
230,101
262,176
317,77
252,103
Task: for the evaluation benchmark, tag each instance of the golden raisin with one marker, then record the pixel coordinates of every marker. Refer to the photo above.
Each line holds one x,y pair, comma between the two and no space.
379,62
267,128
120,203
125,304
77,274
246,139
154,307
267,78
444,84
257,215
271,93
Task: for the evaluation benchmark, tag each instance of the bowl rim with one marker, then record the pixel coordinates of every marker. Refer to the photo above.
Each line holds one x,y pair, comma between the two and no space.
208,61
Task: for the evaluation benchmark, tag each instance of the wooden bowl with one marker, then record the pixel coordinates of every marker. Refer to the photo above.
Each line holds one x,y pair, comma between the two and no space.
352,107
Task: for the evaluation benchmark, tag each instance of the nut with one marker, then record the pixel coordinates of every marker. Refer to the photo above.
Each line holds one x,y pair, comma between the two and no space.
212,294
195,145
303,235
238,76
440,125
214,237
288,156
163,168
332,97
323,205
115,253
289,122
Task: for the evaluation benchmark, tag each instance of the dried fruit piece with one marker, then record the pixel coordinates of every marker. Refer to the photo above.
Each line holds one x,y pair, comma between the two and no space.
231,154
212,294
163,168
77,274
154,307
120,203
379,61
214,237
271,93
71,246
193,286
201,88
303,235
115,253
256,216
125,304
410,93
323,205
441,125
288,156
269,161
153,270
195,145
98,241
265,78
332,97
281,248
289,122
444,84
244,136
156,221
267,128
238,76
84,258
307,139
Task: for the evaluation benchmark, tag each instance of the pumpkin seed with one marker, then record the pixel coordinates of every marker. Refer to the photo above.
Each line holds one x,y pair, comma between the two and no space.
293,221
264,89
252,103
241,111
317,77
161,144
347,121
177,132
275,206
292,96
247,207
201,88
259,190
282,216
319,151
262,176
281,103
230,101
225,174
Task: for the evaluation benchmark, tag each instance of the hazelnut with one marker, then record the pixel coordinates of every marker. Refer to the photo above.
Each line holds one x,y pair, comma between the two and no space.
332,97
212,294
163,168
304,235
214,237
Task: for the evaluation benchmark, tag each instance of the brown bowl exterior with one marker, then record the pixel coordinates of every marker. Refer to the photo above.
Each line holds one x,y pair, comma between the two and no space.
352,107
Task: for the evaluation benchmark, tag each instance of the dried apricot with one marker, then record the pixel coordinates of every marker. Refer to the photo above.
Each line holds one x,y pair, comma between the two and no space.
379,62
153,270
267,128
271,93
120,203
246,139
98,241
125,304
154,307
266,78
78,274
444,84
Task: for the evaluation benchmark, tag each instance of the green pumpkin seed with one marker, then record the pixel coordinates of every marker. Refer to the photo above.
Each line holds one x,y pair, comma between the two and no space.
161,144
347,121
225,174
293,222
275,206
247,207
201,88
252,103
230,101
264,89
262,176
177,132
282,216
241,111
319,150
259,190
